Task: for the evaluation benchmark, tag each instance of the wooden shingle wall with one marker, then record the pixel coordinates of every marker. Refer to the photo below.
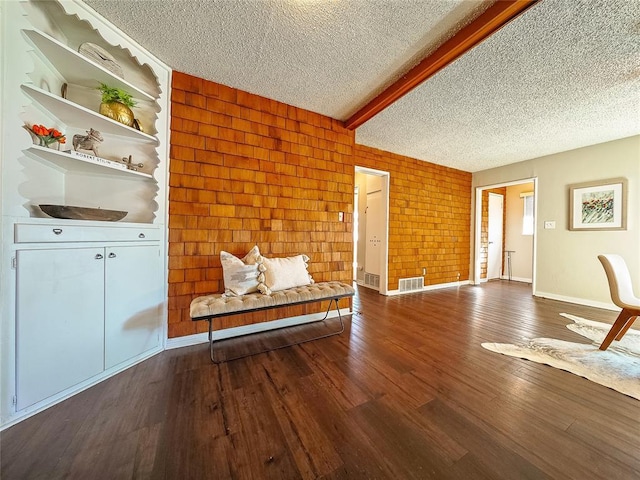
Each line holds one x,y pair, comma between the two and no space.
429,217
248,170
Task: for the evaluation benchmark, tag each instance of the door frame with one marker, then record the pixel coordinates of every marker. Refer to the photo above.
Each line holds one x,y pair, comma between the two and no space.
478,227
384,247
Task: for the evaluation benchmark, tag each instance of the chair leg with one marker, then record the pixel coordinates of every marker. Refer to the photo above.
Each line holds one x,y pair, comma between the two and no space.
619,328
626,327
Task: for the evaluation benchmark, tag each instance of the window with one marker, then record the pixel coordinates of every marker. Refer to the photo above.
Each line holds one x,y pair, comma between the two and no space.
527,218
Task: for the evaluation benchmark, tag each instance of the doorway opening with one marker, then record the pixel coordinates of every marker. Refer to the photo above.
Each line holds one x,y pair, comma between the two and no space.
371,228
505,240
495,236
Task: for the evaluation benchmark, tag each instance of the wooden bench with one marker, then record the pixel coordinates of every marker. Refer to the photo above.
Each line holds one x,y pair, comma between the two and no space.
210,307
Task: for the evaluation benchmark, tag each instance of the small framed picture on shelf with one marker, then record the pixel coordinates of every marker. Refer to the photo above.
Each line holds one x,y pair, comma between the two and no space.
599,205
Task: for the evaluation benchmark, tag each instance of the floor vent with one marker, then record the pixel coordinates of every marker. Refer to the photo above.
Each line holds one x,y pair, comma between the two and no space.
372,280
410,284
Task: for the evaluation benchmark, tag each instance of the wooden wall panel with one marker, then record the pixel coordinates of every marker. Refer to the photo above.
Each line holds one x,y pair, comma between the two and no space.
429,217
248,170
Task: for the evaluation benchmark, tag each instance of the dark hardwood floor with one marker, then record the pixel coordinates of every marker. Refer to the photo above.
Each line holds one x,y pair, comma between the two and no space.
405,392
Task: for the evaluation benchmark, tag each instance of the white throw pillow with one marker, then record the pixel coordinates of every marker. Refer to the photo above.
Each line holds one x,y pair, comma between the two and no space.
240,275
283,273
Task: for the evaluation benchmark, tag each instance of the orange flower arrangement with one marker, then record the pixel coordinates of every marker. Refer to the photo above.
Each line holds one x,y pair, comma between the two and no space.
47,135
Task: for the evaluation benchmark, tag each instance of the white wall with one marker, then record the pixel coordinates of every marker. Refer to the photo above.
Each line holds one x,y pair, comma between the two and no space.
521,245
566,262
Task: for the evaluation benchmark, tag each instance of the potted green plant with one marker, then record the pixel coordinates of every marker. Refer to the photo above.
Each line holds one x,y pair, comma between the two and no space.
117,104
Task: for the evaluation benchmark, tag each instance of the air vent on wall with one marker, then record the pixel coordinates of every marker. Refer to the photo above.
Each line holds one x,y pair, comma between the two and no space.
372,280
410,284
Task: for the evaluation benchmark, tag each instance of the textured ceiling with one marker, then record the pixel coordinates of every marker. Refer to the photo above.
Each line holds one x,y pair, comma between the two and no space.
565,74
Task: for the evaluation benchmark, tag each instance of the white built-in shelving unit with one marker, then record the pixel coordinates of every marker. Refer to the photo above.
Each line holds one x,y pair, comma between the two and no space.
81,300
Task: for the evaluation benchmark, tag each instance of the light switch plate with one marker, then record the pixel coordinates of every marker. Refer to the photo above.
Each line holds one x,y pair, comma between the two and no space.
550,225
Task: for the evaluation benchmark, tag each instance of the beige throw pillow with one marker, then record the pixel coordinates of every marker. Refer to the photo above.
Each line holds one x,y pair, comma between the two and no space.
282,273
240,275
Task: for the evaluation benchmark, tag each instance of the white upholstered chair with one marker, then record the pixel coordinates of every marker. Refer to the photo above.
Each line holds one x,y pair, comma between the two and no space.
621,290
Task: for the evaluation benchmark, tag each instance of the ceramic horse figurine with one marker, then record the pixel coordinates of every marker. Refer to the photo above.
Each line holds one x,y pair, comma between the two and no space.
88,142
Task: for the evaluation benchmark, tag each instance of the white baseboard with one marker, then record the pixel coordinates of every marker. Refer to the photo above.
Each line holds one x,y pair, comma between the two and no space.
577,301
186,341
199,338
438,286
516,279
362,284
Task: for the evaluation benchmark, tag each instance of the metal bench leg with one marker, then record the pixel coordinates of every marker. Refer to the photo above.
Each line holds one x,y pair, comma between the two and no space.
217,362
213,357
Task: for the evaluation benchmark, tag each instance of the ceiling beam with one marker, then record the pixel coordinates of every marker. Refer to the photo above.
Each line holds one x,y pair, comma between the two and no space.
486,24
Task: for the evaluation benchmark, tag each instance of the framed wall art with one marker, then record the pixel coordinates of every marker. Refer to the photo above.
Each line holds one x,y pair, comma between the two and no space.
599,205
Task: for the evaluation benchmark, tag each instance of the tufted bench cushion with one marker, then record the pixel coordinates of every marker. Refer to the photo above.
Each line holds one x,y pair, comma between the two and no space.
217,304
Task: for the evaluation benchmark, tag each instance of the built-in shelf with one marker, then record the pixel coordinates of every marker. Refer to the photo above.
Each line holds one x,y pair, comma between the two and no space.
78,69
66,162
94,260
73,114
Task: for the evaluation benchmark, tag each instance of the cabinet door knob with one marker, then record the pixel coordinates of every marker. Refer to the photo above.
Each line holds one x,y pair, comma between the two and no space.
57,231
112,255
99,256
141,235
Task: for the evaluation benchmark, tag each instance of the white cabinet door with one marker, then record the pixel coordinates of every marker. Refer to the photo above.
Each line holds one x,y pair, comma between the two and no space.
59,320
375,225
134,295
